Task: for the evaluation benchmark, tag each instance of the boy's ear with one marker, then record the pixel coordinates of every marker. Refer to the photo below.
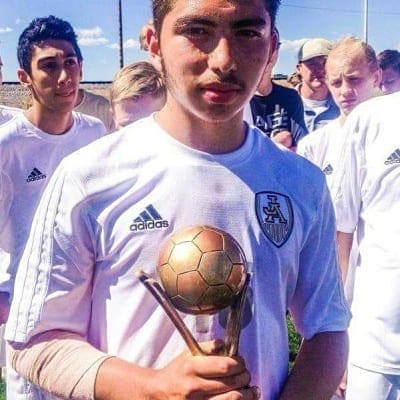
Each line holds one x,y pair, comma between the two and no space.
24,78
155,51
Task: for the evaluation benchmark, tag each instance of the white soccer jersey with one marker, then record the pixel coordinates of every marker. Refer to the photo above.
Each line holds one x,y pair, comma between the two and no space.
28,157
7,113
100,221
325,147
370,201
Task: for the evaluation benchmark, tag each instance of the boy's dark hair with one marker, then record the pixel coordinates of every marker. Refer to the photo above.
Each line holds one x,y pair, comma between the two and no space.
162,7
41,29
389,59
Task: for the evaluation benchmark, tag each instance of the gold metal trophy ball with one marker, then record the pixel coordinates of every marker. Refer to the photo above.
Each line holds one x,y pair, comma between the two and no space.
202,269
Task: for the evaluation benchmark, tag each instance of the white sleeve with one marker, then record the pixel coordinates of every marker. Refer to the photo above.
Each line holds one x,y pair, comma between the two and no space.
304,147
54,278
347,200
6,196
318,304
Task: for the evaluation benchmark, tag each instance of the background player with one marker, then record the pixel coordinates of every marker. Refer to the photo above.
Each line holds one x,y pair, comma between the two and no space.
34,142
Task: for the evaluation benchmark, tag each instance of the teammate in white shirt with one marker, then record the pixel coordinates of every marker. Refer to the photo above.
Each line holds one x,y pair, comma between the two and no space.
82,325
369,200
352,76
33,143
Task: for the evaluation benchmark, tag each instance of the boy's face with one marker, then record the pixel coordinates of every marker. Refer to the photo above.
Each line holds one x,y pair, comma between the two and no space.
126,111
350,80
213,53
390,80
312,72
55,75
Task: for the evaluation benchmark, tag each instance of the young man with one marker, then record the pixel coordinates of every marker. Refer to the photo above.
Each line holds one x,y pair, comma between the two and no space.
79,311
389,61
353,76
34,142
277,110
319,107
370,202
137,90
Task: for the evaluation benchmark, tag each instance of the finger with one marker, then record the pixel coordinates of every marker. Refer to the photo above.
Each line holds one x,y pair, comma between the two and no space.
216,366
249,393
213,347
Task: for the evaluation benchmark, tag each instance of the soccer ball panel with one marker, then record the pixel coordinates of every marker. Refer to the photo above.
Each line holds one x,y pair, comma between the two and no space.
216,298
236,278
186,235
215,267
184,257
165,252
233,250
209,240
169,279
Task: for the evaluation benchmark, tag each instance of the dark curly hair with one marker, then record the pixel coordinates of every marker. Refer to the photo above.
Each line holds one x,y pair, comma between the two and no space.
41,29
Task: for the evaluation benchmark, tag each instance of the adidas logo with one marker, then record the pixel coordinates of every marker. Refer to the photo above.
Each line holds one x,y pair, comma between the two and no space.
148,219
394,158
35,175
328,170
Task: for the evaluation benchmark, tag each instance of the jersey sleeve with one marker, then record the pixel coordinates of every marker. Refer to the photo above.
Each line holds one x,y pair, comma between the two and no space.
6,196
304,147
318,304
53,281
347,201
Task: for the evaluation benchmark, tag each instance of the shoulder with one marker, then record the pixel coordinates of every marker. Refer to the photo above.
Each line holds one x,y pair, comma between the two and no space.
286,91
85,120
95,98
377,108
294,171
12,128
114,150
7,113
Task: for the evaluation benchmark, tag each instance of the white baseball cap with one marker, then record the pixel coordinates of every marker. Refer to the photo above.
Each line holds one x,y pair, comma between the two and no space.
314,48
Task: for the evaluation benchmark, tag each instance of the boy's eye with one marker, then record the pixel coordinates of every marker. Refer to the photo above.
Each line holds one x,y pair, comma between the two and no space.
248,33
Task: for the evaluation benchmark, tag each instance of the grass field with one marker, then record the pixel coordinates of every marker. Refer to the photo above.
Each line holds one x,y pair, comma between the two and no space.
2,390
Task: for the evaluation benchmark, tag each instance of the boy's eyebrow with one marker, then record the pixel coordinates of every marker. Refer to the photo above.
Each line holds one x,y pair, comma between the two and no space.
247,22
69,55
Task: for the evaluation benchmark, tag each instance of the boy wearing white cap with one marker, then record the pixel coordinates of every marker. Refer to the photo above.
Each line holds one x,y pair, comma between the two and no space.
319,107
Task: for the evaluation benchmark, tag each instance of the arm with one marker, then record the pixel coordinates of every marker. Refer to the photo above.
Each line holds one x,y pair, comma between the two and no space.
319,367
193,377
64,364
344,243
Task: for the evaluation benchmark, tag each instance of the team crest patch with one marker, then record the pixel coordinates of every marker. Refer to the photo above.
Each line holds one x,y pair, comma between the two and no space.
275,216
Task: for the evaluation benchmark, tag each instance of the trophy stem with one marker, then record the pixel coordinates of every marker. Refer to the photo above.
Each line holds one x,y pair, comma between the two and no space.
158,293
233,326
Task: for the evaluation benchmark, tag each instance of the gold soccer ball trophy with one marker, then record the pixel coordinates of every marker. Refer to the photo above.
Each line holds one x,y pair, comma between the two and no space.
202,270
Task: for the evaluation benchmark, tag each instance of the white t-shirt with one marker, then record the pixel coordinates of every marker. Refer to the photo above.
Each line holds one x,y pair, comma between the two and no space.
7,113
370,202
325,147
28,157
98,224
96,106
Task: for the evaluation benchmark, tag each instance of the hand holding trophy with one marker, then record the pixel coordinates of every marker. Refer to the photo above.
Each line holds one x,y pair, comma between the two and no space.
202,270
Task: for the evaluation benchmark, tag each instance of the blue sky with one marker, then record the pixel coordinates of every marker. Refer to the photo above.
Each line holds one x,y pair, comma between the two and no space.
95,21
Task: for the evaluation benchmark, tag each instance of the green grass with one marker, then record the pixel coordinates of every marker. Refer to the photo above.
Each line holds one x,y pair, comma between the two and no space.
294,340
2,389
